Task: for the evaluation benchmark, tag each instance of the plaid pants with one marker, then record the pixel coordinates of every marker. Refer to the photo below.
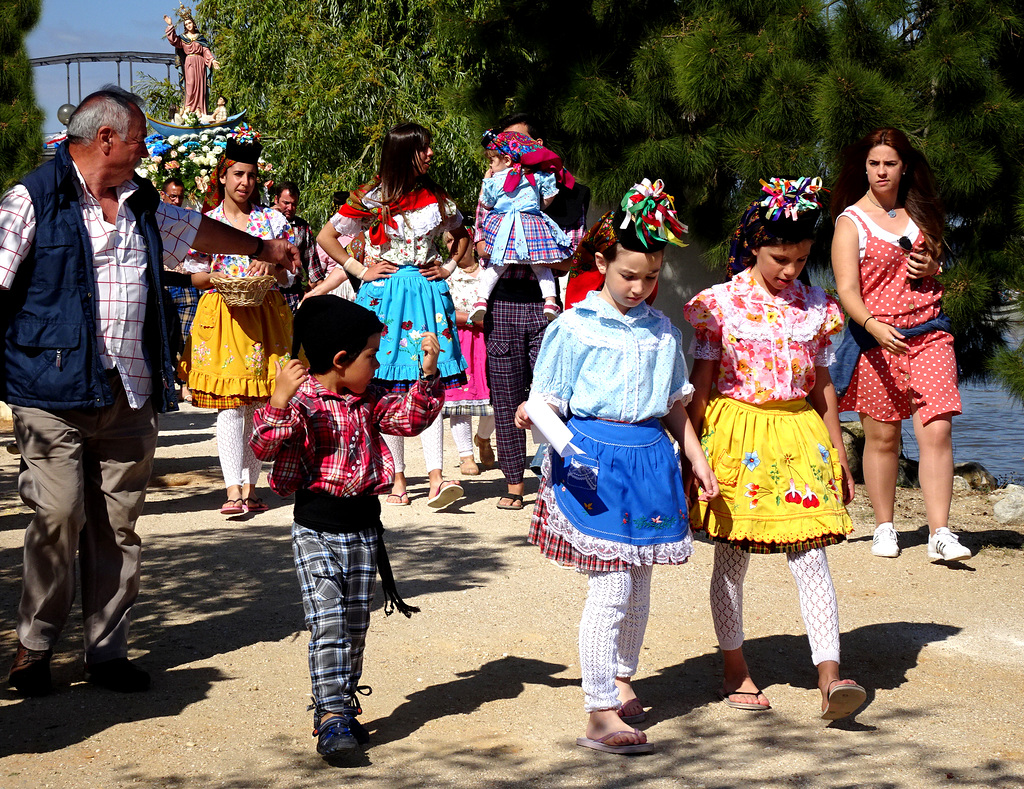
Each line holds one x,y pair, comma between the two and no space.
514,332
337,575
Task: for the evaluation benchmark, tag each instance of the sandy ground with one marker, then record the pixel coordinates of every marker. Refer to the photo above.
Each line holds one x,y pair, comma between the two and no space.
482,687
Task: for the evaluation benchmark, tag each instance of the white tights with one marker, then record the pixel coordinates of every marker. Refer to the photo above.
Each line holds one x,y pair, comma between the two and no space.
238,463
462,432
814,585
612,632
433,447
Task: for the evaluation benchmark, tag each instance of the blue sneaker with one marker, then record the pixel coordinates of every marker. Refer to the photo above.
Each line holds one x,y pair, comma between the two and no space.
335,737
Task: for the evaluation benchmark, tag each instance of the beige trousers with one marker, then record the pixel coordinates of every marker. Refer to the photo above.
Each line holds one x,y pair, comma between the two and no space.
85,474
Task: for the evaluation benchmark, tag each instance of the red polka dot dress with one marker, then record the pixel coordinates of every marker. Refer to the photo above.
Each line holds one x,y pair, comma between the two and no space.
885,386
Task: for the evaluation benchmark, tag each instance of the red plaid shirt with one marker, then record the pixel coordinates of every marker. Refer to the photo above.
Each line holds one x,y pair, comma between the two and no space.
331,443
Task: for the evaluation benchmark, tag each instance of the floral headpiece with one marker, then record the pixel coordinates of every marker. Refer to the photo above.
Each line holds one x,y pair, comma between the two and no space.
786,199
512,144
650,208
653,212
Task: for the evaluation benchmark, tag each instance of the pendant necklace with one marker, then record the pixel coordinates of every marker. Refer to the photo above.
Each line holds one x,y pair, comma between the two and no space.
891,211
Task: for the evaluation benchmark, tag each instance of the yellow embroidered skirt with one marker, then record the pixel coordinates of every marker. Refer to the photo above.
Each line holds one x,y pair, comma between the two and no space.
230,354
780,478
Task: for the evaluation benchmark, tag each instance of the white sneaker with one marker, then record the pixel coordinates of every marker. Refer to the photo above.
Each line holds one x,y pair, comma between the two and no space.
884,542
943,546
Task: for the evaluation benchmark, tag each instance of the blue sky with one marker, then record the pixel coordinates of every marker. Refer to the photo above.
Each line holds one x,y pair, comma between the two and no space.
68,26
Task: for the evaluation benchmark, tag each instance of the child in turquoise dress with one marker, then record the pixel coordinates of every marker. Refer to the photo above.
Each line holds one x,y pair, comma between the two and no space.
616,365
403,214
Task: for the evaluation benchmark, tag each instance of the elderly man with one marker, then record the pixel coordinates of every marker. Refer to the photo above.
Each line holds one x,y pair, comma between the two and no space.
286,200
85,364
173,191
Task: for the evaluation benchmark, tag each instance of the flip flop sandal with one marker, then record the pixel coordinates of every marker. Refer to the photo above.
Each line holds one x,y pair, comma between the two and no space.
517,502
233,507
602,744
447,492
843,700
639,714
743,705
397,500
255,504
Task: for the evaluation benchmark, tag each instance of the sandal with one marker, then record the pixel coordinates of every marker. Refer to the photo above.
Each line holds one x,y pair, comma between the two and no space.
633,712
255,504
842,700
233,507
486,453
447,493
468,467
515,498
397,500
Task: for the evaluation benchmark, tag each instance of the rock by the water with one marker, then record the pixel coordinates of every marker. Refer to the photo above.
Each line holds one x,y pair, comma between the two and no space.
961,485
977,476
1010,509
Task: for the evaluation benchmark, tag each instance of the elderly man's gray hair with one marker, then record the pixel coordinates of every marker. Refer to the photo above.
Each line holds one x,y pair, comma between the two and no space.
109,106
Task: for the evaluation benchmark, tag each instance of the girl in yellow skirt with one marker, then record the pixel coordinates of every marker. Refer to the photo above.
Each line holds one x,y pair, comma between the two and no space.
229,359
771,433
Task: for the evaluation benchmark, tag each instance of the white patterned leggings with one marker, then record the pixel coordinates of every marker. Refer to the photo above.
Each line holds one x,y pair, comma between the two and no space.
238,463
814,585
462,432
612,632
433,447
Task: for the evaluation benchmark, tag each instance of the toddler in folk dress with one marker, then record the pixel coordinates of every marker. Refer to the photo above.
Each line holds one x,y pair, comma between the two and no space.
516,230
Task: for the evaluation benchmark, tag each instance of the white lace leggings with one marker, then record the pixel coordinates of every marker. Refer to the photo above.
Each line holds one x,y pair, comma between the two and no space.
238,464
433,447
813,583
462,432
612,632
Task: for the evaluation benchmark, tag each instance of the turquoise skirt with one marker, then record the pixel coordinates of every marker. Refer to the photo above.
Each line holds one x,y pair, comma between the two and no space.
408,304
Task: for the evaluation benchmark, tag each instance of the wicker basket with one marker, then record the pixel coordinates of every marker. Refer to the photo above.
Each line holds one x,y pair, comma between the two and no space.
243,291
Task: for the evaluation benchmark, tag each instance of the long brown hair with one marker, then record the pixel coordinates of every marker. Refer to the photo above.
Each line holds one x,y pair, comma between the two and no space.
398,174
917,190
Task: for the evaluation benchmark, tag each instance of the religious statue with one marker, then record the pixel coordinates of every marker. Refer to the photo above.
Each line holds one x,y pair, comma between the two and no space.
194,58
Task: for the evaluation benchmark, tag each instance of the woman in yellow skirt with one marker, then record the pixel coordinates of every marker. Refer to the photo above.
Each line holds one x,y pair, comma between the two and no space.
229,359
767,413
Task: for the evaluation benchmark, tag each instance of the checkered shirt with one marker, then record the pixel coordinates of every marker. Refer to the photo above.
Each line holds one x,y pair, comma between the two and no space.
331,443
119,268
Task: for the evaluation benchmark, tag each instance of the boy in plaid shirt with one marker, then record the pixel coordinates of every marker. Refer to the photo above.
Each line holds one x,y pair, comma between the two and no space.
322,428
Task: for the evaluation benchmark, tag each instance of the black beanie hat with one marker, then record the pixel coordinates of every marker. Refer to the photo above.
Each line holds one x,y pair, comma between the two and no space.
327,325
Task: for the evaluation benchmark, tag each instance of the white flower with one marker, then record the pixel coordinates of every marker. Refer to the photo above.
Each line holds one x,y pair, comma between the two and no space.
439,318
173,140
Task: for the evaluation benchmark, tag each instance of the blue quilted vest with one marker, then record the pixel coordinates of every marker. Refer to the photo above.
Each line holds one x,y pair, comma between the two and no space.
49,357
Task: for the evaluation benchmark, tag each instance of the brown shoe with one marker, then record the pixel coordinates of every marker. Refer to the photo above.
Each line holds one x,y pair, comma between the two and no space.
468,467
486,453
30,673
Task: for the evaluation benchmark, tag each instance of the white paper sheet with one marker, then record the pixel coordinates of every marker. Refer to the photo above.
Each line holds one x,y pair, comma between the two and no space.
551,427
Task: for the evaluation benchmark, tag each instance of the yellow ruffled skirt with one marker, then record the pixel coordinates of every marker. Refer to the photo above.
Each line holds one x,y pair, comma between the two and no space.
229,356
779,474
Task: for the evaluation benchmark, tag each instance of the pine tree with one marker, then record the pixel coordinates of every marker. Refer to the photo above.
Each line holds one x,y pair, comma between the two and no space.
714,95
20,119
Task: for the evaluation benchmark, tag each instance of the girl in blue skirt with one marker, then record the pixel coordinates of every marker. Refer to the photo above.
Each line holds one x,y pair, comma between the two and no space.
615,366
403,214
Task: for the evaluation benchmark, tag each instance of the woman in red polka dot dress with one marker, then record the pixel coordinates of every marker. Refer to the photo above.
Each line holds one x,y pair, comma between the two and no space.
885,254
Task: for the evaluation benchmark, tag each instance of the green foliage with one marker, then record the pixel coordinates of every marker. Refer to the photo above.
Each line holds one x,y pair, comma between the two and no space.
160,95
20,119
324,81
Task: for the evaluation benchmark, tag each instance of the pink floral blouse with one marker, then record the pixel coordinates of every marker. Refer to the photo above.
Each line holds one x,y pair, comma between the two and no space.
767,346
263,222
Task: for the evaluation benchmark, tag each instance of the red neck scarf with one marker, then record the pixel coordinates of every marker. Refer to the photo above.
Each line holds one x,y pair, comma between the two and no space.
381,217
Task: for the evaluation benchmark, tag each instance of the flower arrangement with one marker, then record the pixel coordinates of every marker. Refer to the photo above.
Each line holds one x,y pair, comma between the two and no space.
193,158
